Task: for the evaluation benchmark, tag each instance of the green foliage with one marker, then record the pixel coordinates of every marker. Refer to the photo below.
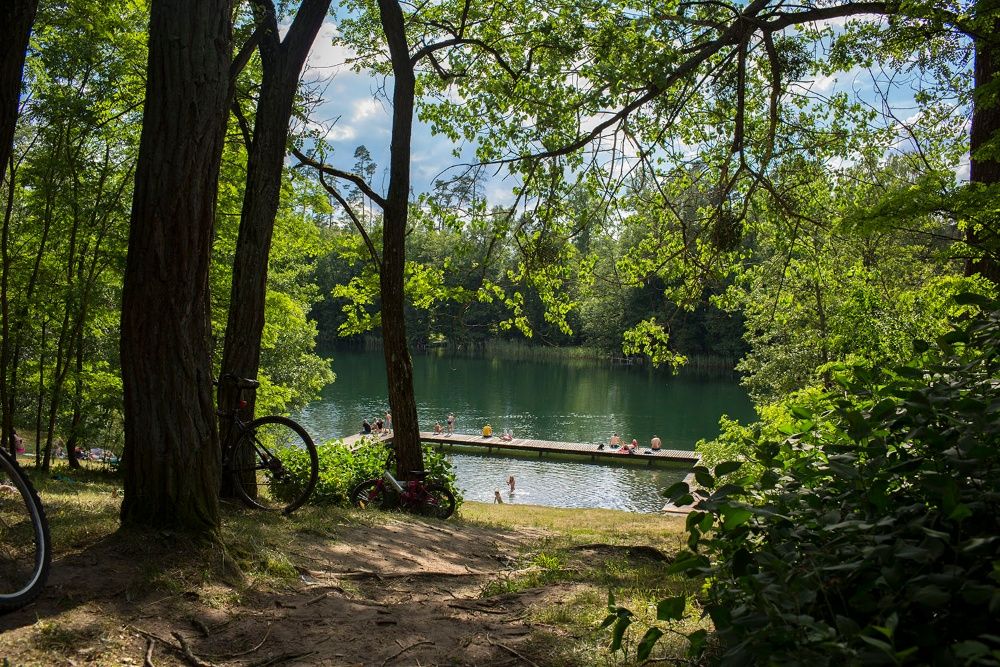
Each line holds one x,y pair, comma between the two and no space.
341,468
871,536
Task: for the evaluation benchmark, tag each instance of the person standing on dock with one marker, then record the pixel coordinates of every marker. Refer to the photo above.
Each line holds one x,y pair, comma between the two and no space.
451,423
388,421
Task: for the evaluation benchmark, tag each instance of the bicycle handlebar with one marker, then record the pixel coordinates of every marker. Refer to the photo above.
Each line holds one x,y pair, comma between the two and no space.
241,383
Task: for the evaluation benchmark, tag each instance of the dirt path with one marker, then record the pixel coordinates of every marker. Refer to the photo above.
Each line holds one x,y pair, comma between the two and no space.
402,593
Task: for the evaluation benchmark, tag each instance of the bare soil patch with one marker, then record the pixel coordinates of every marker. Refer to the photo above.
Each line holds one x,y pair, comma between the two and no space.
405,592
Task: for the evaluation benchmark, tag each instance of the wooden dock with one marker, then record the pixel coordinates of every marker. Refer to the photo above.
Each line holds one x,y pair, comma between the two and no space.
549,446
542,447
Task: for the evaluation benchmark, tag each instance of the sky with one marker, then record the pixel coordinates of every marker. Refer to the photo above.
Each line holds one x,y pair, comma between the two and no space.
355,111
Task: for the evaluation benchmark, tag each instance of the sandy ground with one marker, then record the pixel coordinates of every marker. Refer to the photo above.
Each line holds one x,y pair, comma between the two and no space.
403,593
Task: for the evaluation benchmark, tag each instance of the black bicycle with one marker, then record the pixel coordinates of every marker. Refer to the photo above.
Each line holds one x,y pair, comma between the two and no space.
25,548
271,461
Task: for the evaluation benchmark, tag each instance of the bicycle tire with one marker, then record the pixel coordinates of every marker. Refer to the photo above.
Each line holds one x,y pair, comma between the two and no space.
438,501
370,494
274,465
25,546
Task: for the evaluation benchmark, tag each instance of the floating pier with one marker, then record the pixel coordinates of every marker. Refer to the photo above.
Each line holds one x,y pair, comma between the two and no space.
551,447
541,446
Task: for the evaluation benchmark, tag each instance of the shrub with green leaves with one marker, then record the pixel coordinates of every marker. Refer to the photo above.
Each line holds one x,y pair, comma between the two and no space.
873,534
341,468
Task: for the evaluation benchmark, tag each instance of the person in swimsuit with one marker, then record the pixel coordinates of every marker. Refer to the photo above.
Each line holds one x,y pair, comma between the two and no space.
451,423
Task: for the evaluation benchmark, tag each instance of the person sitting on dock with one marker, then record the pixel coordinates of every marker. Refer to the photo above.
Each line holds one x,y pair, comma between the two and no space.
656,444
366,428
437,428
615,441
487,431
633,446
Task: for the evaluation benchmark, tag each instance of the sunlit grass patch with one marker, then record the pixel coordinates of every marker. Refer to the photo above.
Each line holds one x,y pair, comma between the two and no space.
582,525
594,552
65,637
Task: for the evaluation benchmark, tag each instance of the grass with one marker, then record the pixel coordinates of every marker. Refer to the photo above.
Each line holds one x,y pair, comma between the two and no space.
564,576
592,553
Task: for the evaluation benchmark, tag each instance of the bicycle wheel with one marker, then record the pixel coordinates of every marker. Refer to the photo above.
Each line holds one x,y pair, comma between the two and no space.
274,464
25,550
371,494
438,501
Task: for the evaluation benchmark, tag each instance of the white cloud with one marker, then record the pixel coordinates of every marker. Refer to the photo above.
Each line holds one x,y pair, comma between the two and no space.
367,108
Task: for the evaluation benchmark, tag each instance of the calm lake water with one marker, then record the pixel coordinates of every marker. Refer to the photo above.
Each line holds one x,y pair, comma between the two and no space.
574,400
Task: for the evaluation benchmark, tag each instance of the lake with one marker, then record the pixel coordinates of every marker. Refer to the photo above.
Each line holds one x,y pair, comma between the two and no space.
569,400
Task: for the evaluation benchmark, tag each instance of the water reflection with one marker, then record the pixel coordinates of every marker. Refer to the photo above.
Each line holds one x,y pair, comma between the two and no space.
563,483
573,401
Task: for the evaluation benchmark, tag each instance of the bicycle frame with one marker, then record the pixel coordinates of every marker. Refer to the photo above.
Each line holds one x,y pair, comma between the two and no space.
388,476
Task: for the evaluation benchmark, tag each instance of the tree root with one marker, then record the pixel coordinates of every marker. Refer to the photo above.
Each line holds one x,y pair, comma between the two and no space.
404,650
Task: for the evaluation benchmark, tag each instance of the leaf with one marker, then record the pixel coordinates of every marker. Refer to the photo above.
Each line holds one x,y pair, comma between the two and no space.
690,563
704,479
960,512
675,490
877,643
619,632
647,643
671,609
973,299
801,412
931,596
727,467
698,639
733,517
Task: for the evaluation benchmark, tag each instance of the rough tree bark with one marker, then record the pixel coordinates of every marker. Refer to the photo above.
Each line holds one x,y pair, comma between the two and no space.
171,458
985,125
282,62
398,364
15,31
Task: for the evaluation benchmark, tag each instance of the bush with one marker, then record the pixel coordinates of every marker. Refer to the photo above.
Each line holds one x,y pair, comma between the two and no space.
873,534
340,469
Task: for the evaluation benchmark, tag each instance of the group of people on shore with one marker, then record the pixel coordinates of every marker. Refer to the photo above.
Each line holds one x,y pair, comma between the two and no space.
377,425
617,444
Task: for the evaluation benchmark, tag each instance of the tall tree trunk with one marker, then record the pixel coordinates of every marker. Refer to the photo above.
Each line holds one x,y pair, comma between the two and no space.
41,388
171,458
399,366
15,31
282,65
6,414
986,125
13,326
74,426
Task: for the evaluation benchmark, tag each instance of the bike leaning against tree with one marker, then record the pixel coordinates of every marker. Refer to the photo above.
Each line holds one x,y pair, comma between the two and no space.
418,495
25,546
271,461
